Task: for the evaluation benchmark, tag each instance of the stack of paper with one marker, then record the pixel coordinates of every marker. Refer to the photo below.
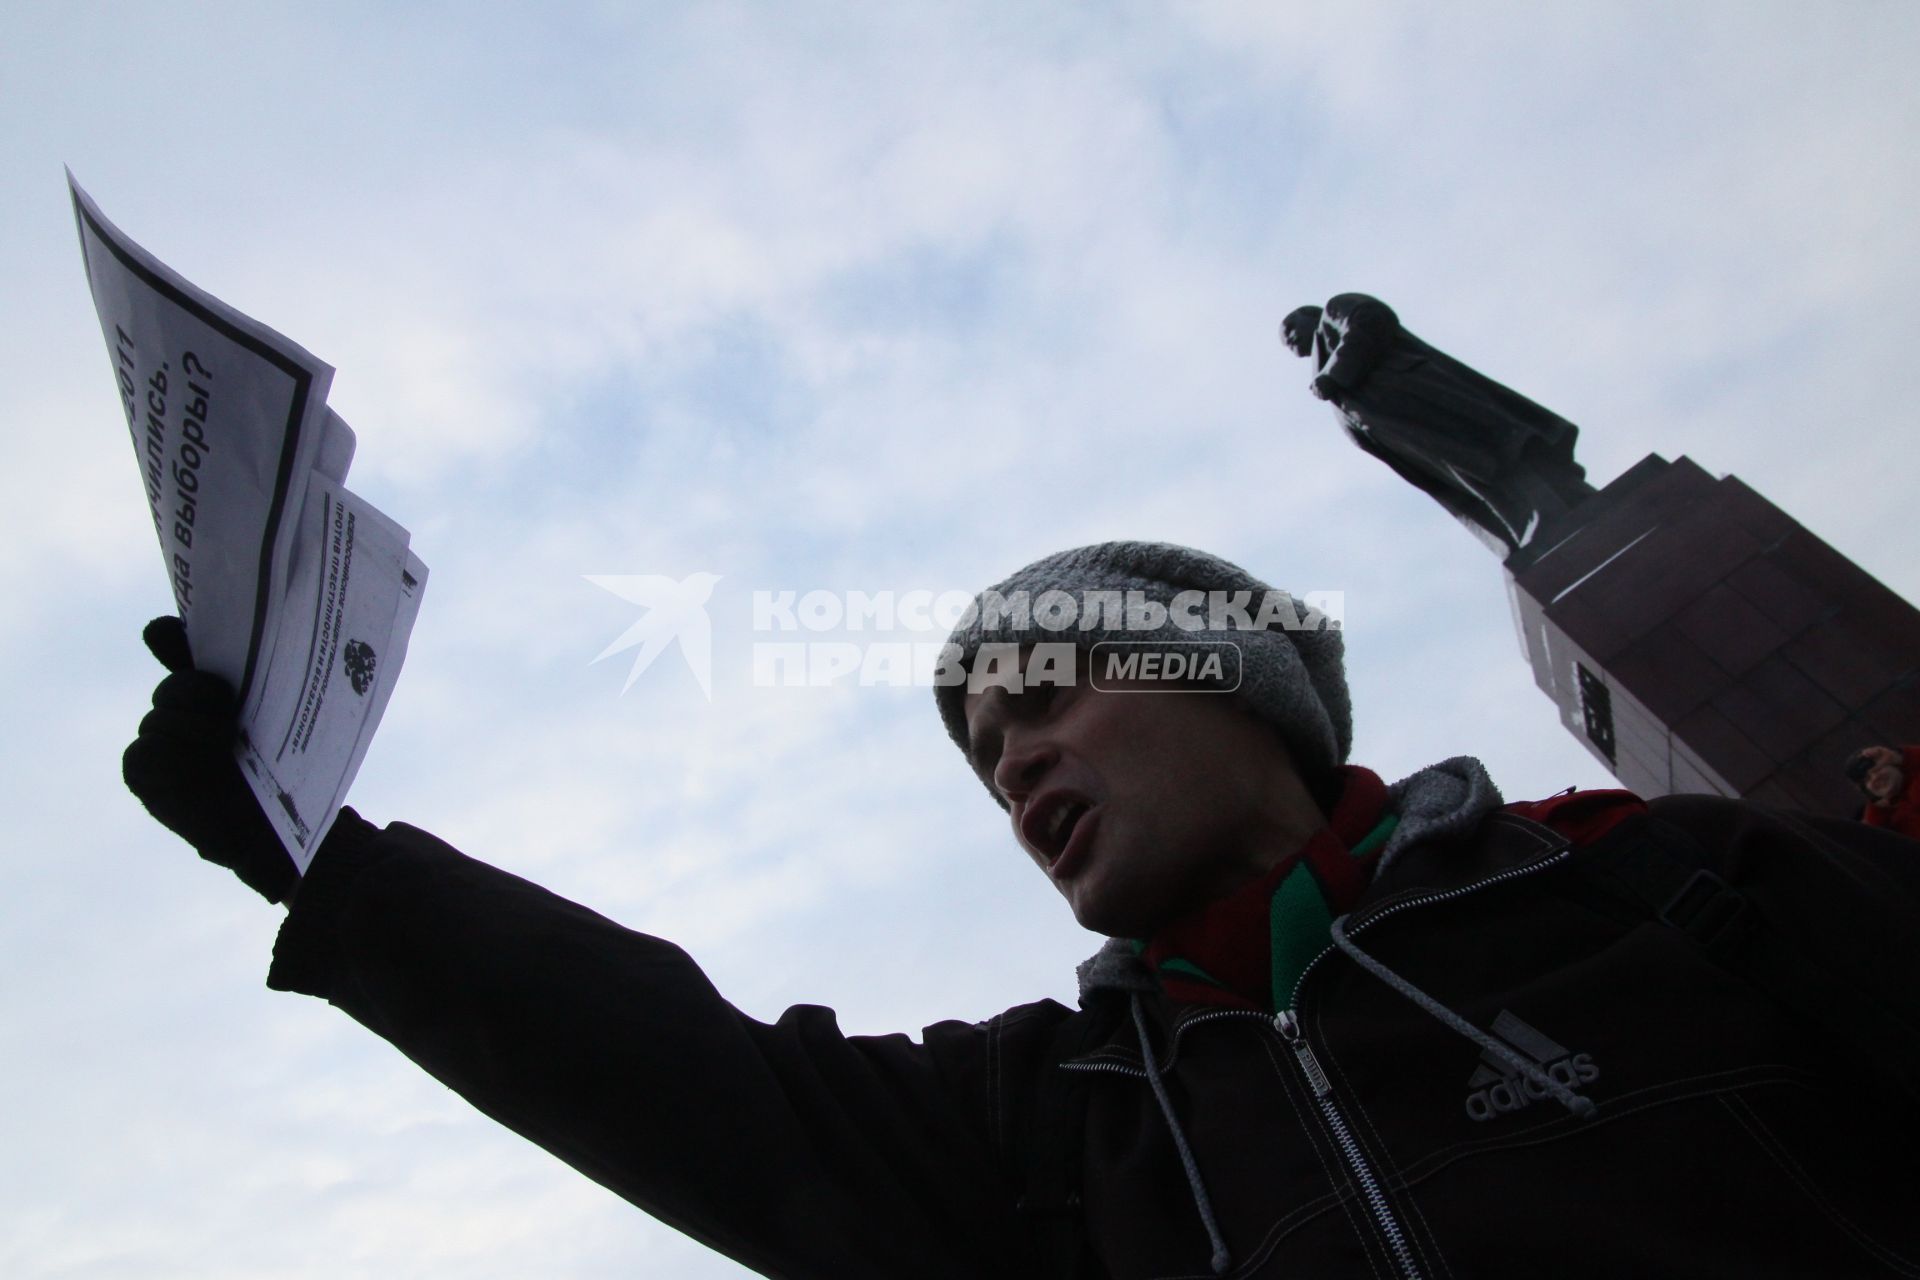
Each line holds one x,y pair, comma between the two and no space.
293,589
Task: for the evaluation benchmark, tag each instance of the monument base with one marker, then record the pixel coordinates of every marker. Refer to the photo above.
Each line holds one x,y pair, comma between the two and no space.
1696,638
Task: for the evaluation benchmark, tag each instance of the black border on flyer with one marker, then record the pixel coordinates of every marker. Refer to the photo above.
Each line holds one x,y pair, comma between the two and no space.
290,442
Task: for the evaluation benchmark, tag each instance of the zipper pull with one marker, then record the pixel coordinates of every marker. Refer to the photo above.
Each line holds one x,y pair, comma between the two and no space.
1289,1028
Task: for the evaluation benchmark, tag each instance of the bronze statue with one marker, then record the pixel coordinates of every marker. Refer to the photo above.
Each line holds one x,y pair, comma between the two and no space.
1489,455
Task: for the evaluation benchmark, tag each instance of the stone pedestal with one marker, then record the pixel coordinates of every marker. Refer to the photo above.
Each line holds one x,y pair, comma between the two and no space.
1697,639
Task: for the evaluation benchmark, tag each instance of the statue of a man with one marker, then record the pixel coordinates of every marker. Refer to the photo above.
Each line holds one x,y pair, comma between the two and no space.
1486,453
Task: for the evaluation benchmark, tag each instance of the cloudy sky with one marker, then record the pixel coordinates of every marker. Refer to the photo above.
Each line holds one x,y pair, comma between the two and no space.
839,297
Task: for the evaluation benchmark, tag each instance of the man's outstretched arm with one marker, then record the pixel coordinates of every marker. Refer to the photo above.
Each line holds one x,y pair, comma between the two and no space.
793,1148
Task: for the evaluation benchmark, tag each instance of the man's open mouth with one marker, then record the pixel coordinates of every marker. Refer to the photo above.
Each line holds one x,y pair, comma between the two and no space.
1049,825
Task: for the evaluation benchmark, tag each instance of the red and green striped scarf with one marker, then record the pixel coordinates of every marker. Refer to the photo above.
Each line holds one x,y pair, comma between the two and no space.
1246,950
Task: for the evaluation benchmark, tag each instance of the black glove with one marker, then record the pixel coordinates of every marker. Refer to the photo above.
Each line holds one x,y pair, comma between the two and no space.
182,769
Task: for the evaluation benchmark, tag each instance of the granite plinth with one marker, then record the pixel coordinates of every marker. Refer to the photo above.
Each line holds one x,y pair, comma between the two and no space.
1696,638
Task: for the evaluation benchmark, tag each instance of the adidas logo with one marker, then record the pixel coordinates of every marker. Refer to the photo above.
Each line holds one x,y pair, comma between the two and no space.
1497,1088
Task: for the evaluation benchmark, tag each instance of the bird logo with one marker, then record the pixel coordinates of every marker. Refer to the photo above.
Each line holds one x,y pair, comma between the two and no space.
673,611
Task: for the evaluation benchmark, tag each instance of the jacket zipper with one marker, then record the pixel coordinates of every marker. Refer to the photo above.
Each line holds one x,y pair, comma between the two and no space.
1287,1023
1322,1088
1289,1028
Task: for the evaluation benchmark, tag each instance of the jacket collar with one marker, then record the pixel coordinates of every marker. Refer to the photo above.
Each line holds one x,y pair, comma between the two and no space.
1501,842
1440,808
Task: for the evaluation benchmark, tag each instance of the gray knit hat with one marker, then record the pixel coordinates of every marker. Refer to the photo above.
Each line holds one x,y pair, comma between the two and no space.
1292,672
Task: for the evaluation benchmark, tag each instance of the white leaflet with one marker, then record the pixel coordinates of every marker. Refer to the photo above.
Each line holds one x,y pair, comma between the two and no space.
298,593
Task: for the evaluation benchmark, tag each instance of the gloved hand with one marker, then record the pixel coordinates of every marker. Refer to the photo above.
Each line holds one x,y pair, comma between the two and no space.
183,770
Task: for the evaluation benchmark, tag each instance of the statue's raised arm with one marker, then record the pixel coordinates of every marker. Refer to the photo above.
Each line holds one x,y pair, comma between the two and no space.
1490,456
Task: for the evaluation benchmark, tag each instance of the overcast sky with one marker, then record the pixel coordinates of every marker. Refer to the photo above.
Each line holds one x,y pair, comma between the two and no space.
848,297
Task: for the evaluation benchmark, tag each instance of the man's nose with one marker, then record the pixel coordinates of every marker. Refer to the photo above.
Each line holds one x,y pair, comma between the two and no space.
1024,760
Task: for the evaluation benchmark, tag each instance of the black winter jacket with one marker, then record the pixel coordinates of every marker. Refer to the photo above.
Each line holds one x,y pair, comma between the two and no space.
1521,1060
